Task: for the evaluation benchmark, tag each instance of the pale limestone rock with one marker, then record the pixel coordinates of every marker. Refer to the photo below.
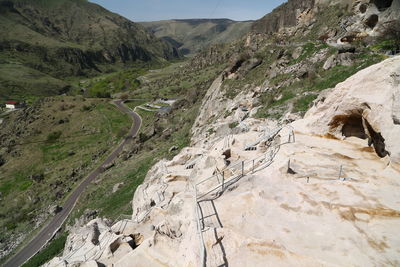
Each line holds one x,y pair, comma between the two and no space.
56,261
337,206
370,95
344,59
297,52
117,186
90,264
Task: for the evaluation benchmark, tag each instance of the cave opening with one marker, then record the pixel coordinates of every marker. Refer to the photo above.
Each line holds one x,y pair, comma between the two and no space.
363,8
237,66
354,125
372,21
382,5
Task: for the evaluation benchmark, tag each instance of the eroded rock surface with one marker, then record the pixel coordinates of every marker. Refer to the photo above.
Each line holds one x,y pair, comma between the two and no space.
326,198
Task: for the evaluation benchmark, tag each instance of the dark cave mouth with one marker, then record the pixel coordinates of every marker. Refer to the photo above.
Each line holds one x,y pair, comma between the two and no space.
382,5
354,125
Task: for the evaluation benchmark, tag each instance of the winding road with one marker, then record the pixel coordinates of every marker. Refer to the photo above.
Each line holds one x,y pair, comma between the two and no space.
47,233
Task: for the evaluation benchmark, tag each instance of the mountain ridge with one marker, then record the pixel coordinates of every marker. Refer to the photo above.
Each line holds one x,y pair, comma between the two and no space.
193,35
70,38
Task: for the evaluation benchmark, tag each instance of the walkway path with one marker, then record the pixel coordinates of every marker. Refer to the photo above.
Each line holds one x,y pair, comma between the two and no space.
47,233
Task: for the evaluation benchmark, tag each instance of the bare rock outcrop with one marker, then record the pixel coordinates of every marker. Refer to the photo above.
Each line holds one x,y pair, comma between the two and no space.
364,106
322,191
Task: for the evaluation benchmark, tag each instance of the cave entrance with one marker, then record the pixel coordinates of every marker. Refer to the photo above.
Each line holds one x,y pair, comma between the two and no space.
355,125
382,4
372,21
352,125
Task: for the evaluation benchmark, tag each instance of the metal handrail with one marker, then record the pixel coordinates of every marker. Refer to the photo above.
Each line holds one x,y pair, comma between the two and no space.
268,157
203,251
268,136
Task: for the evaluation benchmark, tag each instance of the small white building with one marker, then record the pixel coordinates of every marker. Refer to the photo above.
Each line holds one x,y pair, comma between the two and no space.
12,105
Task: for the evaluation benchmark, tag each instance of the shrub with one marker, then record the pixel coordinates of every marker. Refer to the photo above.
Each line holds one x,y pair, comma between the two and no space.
87,107
233,124
53,136
122,132
143,137
103,95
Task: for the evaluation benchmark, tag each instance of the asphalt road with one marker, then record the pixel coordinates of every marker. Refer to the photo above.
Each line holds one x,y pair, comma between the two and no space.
44,236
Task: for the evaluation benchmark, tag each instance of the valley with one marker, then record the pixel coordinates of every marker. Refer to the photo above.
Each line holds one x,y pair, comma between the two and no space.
261,131
193,35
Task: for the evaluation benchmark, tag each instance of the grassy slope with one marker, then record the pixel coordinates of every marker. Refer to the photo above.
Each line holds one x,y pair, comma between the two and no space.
198,34
172,130
23,83
53,40
91,128
51,251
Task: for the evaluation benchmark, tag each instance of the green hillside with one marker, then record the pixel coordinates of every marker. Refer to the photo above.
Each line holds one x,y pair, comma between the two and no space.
192,35
52,40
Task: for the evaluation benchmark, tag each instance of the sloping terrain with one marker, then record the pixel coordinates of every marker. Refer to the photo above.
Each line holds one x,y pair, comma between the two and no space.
310,193
51,40
45,151
85,126
192,35
282,189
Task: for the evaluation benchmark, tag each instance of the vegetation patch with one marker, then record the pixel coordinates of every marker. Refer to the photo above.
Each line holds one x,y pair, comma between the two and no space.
54,248
277,102
302,104
233,125
56,150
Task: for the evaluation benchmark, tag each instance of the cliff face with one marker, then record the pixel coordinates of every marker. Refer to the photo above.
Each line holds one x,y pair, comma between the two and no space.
283,16
69,38
353,20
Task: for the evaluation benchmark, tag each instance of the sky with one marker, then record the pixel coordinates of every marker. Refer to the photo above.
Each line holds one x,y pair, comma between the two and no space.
153,10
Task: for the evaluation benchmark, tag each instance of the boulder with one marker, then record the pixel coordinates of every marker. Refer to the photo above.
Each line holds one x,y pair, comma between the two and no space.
117,186
91,263
344,59
297,52
172,148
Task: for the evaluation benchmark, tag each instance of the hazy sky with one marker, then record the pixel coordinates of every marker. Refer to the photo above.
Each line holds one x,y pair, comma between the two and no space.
150,10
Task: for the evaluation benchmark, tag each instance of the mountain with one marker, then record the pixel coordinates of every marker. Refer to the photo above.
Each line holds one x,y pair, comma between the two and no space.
54,39
290,129
191,35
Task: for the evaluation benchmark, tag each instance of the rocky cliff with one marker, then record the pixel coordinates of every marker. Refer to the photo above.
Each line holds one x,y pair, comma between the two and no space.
264,181
343,20
315,192
283,16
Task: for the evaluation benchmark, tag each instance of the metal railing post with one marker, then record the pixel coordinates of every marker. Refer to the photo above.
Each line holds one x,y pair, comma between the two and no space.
253,166
223,181
340,172
242,168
